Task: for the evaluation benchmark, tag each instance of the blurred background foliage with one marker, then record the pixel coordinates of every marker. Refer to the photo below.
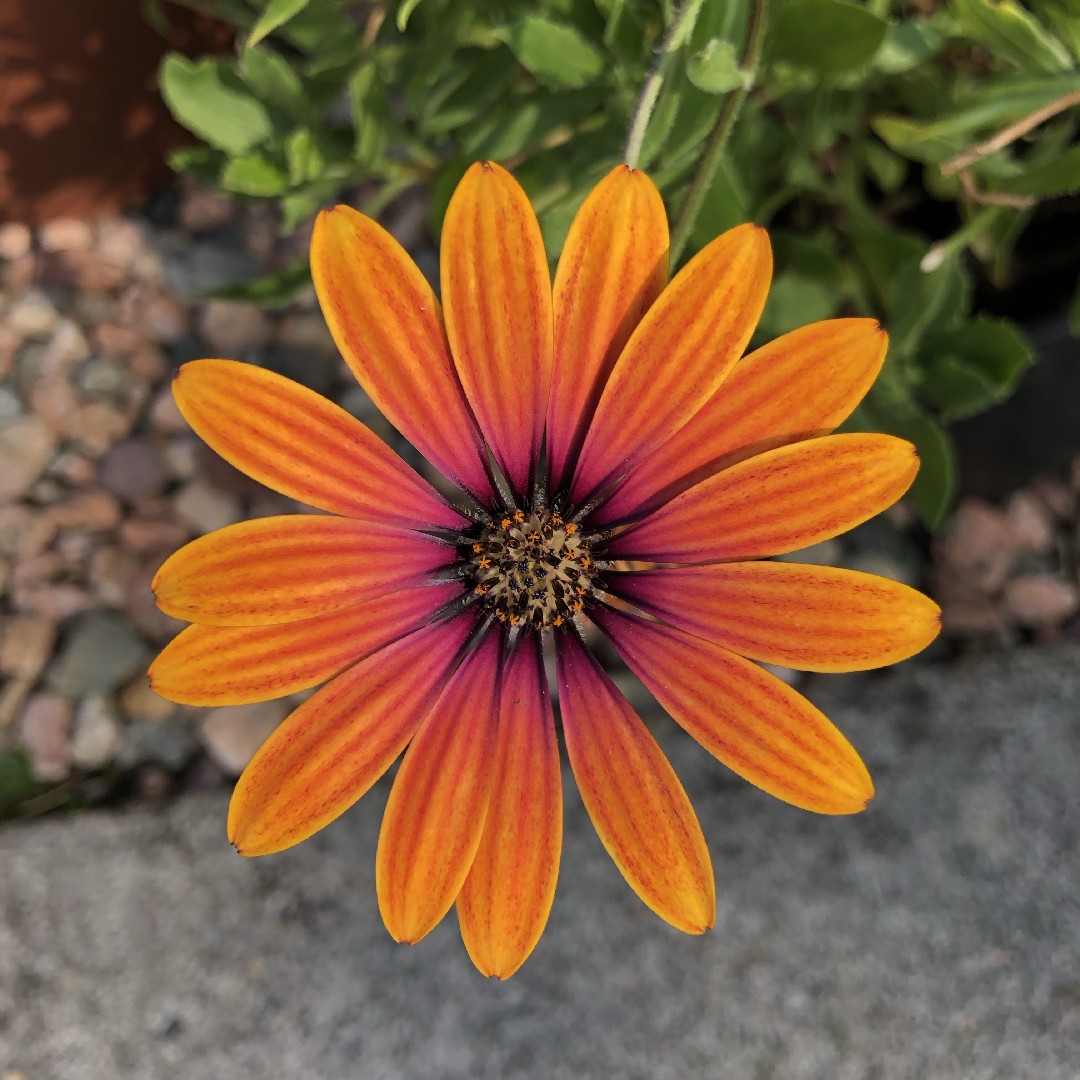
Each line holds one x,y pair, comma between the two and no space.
895,150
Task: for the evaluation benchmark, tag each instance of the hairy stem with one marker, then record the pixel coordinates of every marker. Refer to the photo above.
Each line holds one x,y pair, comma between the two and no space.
714,146
680,26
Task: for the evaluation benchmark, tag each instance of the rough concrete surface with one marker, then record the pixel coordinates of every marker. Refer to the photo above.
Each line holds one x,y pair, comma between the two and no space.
936,936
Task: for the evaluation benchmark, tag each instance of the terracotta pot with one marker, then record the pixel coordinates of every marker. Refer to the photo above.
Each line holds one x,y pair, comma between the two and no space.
82,128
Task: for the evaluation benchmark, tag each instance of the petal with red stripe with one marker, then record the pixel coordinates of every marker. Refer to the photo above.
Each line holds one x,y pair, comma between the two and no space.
747,718
280,569
299,443
504,904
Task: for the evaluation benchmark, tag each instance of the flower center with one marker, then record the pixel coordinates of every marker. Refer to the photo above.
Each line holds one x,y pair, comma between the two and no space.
531,568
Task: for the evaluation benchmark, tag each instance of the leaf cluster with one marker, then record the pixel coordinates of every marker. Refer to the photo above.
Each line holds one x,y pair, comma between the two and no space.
857,116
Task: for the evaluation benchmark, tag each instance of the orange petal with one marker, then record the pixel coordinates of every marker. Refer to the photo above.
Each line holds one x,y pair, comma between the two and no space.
779,501
329,751
800,385
755,724
388,325
497,295
635,800
678,355
613,265
234,665
296,442
280,569
814,618
504,904
435,815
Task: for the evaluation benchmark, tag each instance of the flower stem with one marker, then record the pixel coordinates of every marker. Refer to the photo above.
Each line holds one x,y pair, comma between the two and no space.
718,137
680,27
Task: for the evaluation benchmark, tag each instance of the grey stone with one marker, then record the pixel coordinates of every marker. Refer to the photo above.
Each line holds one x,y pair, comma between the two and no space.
101,651
10,405
935,936
193,270
96,735
26,445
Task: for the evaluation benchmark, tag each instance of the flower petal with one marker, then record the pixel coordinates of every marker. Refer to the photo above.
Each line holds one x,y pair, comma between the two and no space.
755,724
640,810
800,385
280,569
678,355
235,665
496,292
388,325
299,443
330,750
814,618
613,265
435,815
779,501
504,903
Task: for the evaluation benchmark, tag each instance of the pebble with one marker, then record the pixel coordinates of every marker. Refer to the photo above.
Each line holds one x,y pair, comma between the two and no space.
205,507
232,733
32,315
10,405
232,328
1031,521
182,458
979,545
95,426
92,511
1040,601
142,609
305,330
883,564
111,572
202,210
120,241
965,610
54,400
164,414
145,535
65,234
45,734
825,553
26,642
101,651
95,736
66,348
101,376
15,240
133,469
26,445
170,744
194,270
139,702
23,533
161,317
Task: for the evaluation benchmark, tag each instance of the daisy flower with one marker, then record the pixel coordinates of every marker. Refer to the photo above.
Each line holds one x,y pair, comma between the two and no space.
622,472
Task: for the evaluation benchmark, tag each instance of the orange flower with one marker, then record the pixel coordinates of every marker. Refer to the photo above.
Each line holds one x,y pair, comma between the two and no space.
619,468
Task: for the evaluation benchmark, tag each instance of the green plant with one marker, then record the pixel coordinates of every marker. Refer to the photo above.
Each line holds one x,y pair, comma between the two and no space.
825,120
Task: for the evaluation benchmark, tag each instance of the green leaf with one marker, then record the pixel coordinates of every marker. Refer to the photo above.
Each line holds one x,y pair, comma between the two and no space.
555,53
210,100
367,95
519,126
827,36
275,14
202,162
935,485
272,290
254,174
483,77
715,68
17,782
405,9
974,366
913,42
1012,33
273,80
794,300
304,156
1059,176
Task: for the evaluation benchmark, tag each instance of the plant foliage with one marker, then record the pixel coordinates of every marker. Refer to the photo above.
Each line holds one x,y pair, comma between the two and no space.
856,113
